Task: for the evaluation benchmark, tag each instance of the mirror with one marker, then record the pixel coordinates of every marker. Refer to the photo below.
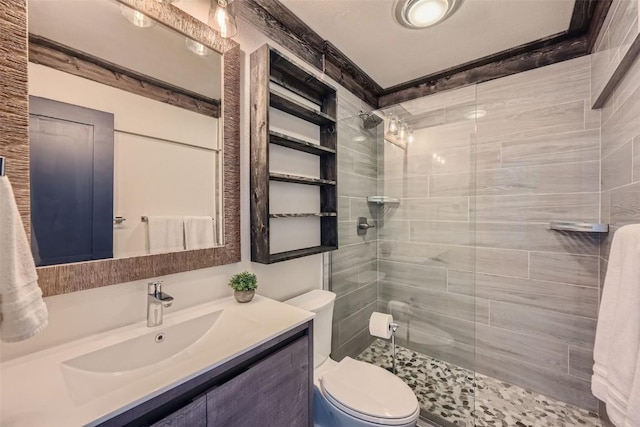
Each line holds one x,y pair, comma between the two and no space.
125,134
14,146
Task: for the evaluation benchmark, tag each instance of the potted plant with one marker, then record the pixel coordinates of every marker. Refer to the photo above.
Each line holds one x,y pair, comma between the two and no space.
244,286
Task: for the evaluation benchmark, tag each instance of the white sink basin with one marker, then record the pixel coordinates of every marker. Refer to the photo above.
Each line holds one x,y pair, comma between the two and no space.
157,346
151,351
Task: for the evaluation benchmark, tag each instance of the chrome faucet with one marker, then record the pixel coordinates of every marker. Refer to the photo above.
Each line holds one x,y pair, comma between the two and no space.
156,302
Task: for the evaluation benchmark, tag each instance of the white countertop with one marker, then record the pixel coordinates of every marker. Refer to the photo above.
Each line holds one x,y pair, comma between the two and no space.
34,390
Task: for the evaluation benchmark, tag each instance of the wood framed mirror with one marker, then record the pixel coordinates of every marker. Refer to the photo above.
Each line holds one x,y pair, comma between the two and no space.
14,144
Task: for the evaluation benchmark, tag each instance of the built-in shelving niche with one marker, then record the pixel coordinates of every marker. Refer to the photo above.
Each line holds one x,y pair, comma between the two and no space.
278,83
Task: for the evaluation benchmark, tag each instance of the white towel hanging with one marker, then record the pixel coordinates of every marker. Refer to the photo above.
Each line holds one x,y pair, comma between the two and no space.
23,311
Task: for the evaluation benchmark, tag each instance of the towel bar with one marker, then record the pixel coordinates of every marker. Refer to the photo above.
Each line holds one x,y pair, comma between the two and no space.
146,219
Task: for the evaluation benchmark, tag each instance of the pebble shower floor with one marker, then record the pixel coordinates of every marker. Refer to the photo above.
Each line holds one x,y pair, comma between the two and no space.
460,396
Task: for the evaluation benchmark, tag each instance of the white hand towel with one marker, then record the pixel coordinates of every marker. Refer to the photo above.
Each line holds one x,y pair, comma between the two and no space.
198,232
166,234
23,312
617,345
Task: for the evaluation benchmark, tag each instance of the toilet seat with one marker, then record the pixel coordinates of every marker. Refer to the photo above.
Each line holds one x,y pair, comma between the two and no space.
369,393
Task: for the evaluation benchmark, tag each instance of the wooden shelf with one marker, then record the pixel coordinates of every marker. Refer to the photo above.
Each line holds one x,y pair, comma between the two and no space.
298,144
277,82
295,179
298,253
287,74
303,215
297,109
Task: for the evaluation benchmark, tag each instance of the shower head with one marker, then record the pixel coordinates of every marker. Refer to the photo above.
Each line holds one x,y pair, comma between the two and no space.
369,120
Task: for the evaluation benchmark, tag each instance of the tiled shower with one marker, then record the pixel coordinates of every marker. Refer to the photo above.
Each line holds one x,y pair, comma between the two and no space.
465,260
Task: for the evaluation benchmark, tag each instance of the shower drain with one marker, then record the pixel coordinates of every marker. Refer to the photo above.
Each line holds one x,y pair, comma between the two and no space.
160,337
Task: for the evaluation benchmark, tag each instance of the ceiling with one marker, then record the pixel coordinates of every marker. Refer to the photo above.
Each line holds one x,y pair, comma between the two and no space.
365,31
98,28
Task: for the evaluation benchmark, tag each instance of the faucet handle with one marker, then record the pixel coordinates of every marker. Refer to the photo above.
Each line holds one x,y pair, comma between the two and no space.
154,287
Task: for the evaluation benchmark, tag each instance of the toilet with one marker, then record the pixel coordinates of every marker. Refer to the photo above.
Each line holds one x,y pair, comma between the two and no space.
352,393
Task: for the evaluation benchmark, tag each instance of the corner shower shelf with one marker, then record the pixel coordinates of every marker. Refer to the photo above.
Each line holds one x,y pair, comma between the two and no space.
382,200
578,226
277,82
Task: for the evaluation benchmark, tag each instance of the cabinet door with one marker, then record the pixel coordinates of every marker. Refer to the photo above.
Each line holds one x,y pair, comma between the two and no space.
192,415
272,393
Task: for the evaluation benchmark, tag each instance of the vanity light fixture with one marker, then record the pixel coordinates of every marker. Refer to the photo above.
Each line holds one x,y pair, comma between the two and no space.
197,48
137,18
416,14
221,18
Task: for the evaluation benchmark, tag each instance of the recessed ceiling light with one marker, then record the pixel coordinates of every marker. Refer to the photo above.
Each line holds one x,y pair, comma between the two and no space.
418,14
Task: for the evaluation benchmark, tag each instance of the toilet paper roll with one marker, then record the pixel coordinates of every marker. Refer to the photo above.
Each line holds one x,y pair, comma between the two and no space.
379,325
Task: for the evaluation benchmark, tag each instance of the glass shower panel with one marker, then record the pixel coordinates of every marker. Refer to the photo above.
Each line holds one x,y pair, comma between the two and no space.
425,249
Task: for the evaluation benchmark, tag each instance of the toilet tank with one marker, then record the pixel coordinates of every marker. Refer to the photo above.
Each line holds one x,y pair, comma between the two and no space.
321,303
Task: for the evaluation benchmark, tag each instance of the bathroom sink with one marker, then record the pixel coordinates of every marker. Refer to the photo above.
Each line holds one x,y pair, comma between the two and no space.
154,352
156,346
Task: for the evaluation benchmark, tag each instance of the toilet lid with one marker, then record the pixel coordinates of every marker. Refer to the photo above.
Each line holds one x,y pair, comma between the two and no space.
369,392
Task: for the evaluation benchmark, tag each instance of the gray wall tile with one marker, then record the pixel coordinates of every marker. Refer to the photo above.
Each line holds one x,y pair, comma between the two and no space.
433,278
581,362
576,330
534,237
564,268
564,387
545,353
617,167
357,322
561,148
459,306
448,256
355,255
569,299
430,209
354,301
502,261
623,125
546,207
553,119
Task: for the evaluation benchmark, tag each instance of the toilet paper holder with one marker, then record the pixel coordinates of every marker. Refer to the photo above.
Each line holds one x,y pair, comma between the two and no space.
394,327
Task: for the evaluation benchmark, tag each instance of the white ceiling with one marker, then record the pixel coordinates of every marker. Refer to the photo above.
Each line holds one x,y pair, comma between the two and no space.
366,32
97,27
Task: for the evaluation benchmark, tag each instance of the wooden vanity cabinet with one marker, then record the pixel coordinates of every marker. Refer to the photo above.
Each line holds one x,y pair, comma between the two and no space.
269,386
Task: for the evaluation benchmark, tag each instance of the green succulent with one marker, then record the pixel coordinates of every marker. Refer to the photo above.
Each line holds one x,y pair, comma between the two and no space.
244,281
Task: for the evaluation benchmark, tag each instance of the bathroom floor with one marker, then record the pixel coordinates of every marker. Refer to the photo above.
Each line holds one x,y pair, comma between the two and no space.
449,392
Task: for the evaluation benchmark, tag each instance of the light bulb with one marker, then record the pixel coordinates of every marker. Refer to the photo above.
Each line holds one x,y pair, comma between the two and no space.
410,137
402,133
393,126
222,20
423,13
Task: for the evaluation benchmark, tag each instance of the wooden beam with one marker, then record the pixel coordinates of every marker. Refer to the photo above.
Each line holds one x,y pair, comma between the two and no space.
581,16
281,25
489,68
595,25
51,54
